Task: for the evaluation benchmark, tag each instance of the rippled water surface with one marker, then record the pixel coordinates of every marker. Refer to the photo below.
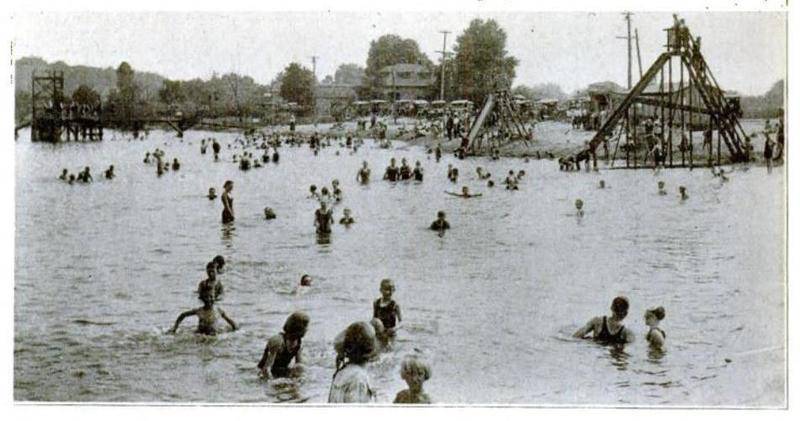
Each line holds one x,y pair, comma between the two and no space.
491,304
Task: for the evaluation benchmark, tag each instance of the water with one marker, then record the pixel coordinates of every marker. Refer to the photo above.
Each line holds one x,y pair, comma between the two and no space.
492,304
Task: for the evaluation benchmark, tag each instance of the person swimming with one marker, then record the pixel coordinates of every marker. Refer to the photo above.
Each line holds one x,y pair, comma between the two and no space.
602,184
176,165
363,174
392,172
347,219
211,282
609,330
206,315
661,190
337,192
405,170
64,175
464,193
313,192
284,347
386,309
212,193
418,172
269,213
579,207
655,336
323,218
682,191
110,173
440,224
414,372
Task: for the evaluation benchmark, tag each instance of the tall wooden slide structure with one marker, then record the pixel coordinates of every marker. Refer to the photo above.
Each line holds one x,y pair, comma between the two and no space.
499,113
681,94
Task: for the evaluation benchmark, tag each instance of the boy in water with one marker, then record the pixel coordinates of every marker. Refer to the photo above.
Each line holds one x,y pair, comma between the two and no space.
211,283
655,337
440,224
682,191
313,192
661,191
110,173
579,207
609,330
269,213
415,372
392,172
418,173
284,347
212,193
347,219
64,175
206,315
387,310
363,174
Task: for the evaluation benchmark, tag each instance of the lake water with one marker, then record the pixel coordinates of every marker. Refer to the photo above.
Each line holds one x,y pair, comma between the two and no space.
491,304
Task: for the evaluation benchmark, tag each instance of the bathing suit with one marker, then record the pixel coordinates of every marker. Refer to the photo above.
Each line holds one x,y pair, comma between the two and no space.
417,174
438,225
405,172
605,335
364,175
392,173
664,334
227,216
280,367
387,314
207,320
323,222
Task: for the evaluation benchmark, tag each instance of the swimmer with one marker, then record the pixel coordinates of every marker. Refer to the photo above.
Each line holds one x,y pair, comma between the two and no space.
85,176
346,218
351,383
418,172
206,316
64,175
440,224
579,207
392,172
147,157
284,347
682,191
323,218
313,192
661,190
219,263
602,184
176,165
511,181
415,372
110,173
211,283
269,213
227,203
71,179
405,170
601,328
212,193
337,192
363,174
387,310
464,193
655,336
305,280
490,183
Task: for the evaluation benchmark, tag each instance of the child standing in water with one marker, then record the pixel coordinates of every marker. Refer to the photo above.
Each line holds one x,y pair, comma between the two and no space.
415,372
211,282
351,383
206,315
661,191
656,336
387,310
227,203
579,207
284,347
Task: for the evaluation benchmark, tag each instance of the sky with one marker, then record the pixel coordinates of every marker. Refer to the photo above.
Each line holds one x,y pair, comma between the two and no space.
745,50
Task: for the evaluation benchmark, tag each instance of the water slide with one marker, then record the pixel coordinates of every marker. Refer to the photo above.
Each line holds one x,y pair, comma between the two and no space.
476,127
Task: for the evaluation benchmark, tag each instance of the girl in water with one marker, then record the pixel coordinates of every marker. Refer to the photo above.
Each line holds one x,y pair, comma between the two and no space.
227,203
351,383
284,347
206,315
656,336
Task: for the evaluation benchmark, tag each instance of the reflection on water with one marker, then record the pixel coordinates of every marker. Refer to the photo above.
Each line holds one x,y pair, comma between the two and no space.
491,303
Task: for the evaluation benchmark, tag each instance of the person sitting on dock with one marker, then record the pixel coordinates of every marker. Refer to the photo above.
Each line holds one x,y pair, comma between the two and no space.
440,224
110,173
609,330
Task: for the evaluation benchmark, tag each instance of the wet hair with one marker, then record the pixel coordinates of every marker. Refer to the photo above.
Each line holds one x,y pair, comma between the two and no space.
620,305
387,283
227,183
414,365
211,266
296,324
303,281
440,214
359,342
219,261
658,312
313,188
324,190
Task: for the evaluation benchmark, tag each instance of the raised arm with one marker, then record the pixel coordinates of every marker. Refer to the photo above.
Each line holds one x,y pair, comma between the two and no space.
182,316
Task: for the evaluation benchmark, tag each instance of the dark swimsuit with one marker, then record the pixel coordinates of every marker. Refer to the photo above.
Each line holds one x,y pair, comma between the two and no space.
417,175
387,314
606,337
226,215
664,334
280,367
392,173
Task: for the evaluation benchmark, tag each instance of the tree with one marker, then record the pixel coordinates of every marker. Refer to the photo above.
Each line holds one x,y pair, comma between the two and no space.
389,50
123,100
297,85
349,74
85,95
540,91
482,64
171,92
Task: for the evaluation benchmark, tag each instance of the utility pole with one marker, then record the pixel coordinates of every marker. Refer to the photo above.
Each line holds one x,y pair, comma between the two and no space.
638,53
444,57
630,52
314,65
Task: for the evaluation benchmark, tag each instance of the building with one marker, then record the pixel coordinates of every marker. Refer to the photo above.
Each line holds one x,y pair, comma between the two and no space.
332,99
405,81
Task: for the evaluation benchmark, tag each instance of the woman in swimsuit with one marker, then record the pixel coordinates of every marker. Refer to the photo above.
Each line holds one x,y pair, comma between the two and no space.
227,203
656,336
609,330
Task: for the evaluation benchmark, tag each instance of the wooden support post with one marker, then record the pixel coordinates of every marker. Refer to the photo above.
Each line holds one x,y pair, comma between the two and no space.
683,115
691,125
719,144
636,137
671,112
627,140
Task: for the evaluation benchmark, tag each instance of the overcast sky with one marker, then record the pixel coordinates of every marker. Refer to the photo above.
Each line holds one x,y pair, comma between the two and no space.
746,50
